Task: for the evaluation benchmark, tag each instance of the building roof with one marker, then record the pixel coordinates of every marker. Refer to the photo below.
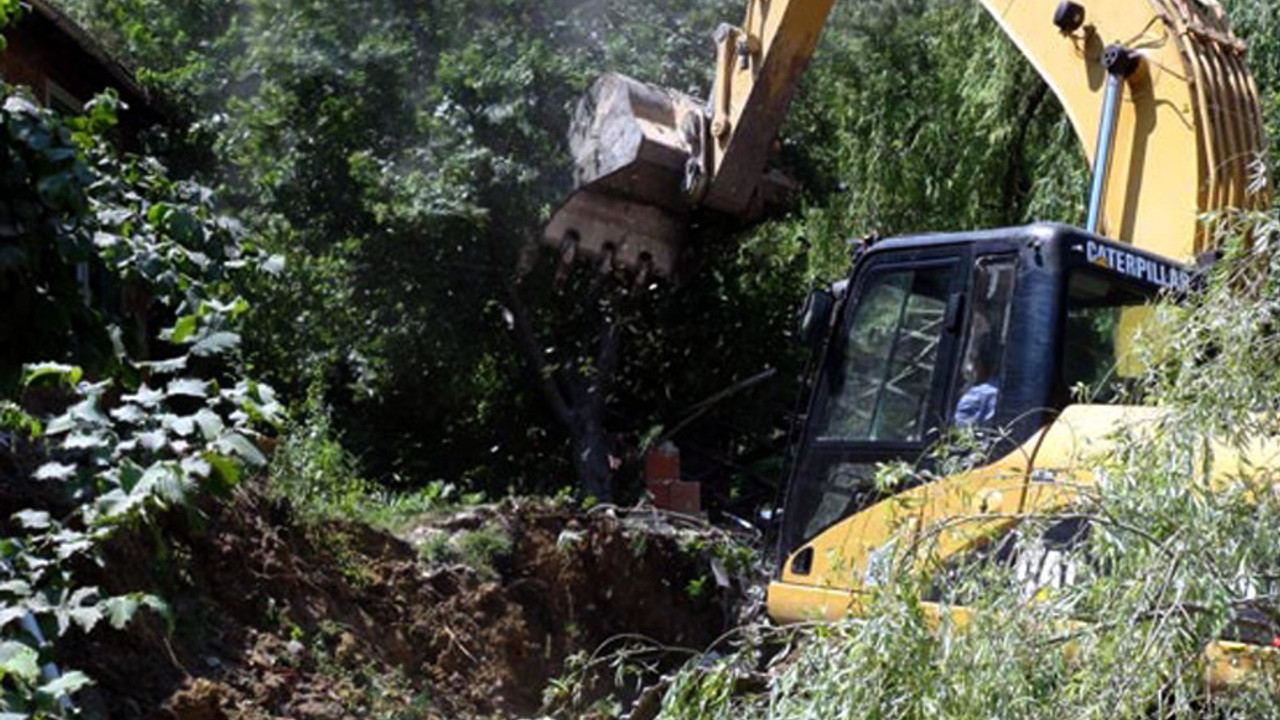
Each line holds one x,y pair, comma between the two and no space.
81,37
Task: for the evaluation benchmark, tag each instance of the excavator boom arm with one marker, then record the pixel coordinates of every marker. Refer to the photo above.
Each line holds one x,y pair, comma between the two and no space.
1188,132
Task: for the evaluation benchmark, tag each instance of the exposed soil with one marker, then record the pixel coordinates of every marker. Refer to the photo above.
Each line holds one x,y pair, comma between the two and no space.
279,618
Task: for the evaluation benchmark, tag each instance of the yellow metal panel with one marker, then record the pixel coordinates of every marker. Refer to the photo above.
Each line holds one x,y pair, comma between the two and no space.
1233,664
935,522
750,99
1152,196
1187,130
955,513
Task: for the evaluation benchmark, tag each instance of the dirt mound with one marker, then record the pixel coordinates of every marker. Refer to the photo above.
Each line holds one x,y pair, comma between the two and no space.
278,618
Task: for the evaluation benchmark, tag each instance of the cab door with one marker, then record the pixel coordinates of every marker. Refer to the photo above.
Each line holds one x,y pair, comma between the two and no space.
883,391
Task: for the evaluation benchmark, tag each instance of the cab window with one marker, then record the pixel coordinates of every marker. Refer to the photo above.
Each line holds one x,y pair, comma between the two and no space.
1103,316
883,388
982,363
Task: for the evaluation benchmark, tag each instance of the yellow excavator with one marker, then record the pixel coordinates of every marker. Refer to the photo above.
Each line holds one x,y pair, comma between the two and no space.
993,330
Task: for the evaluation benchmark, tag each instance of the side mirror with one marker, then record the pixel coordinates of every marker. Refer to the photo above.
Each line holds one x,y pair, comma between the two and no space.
815,317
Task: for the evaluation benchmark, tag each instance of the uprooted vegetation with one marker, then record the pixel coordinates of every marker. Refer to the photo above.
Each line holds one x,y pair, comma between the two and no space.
275,617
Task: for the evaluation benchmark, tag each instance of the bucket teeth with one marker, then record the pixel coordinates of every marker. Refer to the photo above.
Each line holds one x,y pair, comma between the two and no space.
630,146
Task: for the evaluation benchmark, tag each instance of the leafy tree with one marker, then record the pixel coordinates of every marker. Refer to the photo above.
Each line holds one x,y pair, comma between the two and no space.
147,420
399,155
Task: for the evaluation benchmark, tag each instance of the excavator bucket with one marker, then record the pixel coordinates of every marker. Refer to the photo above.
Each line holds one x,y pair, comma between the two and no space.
631,143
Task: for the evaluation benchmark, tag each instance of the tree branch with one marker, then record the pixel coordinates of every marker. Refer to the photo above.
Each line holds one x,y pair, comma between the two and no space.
606,365
701,408
527,341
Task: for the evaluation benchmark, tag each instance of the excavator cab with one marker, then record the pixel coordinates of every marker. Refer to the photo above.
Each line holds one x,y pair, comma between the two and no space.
992,333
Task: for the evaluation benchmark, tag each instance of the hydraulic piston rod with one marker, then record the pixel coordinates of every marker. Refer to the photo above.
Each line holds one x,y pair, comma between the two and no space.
1119,64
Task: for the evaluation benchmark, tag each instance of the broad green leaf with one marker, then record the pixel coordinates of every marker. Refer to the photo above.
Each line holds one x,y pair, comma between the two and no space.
82,596
210,423
88,411
153,440
240,446
215,343
20,588
84,441
166,482
224,477
69,543
197,467
106,240
33,519
115,504
187,387
55,471
166,367
181,425
159,213
130,413
69,375
128,474
183,329
85,617
69,683
120,610
60,424
146,397
19,660
10,613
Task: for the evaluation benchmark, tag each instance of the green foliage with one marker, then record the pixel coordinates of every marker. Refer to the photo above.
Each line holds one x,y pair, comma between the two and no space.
921,117
313,470
9,9
397,156
481,549
43,236
152,420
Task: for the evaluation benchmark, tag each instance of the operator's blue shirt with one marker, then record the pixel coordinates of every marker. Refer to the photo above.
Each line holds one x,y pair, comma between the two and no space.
977,406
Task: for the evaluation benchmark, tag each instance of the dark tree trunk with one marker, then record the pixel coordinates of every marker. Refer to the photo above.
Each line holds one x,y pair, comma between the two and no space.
1017,181
576,400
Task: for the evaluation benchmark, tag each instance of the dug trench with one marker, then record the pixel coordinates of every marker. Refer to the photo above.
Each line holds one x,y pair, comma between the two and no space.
272,616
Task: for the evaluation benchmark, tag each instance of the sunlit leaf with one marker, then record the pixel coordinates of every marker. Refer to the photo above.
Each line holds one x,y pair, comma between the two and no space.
183,329
145,397
166,367
187,387
210,423
55,471
129,413
215,343
19,660
69,683
84,441
240,446
68,375
33,519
